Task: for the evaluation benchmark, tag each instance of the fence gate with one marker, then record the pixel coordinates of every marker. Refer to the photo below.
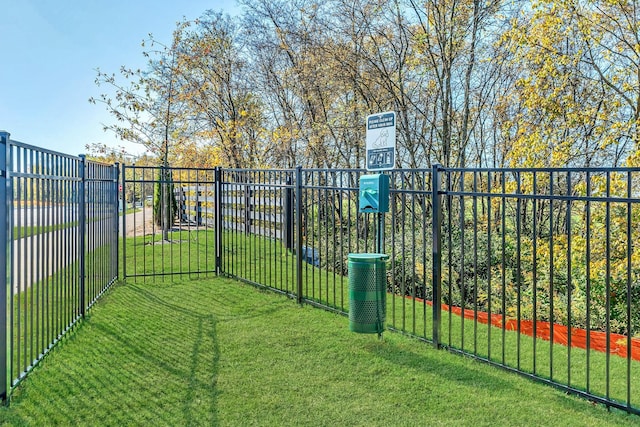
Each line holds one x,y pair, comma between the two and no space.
169,221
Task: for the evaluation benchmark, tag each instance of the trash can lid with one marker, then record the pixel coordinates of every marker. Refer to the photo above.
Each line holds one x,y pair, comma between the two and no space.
368,257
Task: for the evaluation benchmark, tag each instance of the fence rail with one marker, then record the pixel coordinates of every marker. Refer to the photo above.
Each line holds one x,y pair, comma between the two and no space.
60,252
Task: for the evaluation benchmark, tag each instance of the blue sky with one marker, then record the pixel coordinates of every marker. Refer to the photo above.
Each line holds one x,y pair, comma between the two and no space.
49,51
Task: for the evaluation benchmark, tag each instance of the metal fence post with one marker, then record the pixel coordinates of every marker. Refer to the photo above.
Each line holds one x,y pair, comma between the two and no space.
218,219
248,205
115,201
124,220
299,233
82,223
288,214
437,254
6,206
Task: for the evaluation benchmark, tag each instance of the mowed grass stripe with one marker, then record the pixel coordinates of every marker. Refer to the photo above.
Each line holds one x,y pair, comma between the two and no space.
218,352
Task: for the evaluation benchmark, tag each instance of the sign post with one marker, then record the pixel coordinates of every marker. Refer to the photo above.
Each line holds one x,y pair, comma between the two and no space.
381,141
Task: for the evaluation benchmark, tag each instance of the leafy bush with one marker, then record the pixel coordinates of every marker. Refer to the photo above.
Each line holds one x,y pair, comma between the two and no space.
169,199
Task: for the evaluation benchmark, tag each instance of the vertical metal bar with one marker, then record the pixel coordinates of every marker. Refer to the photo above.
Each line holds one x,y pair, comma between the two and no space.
629,295
299,233
267,235
503,296
202,207
271,216
284,233
423,198
252,199
40,339
47,243
123,183
394,226
380,238
115,271
403,198
257,209
608,285
310,247
341,228
82,222
551,273
449,253
535,269
518,267
335,195
199,210
358,216
55,218
64,242
413,251
218,219
170,212
475,263
11,167
461,278
228,221
272,223
224,239
20,269
242,235
294,266
32,239
436,231
163,217
6,207
181,204
257,205
569,279
489,266
95,195
588,280
324,212
276,225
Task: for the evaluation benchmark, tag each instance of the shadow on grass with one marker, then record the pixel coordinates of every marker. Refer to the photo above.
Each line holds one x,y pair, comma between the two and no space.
193,381
472,374
195,357
432,362
152,359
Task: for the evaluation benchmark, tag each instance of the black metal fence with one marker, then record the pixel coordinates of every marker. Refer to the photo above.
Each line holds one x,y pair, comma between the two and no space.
60,253
533,270
536,271
540,274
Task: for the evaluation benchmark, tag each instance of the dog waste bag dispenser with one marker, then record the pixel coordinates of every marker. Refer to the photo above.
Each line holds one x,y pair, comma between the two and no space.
374,194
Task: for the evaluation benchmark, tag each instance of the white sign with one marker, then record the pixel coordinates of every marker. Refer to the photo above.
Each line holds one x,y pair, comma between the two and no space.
381,141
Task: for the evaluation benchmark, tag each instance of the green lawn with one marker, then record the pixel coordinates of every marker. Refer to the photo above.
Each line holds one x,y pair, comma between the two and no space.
218,352
267,262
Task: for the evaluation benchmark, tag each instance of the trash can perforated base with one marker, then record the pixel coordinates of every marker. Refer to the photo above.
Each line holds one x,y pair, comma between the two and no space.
367,293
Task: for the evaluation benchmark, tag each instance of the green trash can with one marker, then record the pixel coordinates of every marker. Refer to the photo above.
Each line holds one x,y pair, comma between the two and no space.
367,292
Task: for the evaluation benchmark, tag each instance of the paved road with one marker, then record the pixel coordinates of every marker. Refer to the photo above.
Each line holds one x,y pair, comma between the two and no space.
40,256
37,257
45,215
138,223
